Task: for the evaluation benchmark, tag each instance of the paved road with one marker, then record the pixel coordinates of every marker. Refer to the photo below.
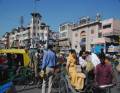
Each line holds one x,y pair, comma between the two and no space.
31,91
116,89
34,89
28,89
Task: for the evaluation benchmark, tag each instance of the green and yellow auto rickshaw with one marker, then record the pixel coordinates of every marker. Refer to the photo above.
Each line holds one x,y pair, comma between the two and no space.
13,62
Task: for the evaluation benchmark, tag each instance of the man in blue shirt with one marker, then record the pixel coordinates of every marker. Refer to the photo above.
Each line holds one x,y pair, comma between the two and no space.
48,67
49,60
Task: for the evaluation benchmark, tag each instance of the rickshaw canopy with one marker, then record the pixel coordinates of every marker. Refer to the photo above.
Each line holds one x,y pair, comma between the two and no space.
18,51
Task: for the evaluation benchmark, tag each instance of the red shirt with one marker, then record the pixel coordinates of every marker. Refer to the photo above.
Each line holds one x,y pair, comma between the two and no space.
103,74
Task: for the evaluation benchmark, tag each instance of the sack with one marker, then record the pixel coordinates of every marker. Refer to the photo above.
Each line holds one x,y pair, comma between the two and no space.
89,66
118,67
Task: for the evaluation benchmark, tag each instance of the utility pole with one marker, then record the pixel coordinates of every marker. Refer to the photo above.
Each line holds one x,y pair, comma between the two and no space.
21,21
8,40
34,5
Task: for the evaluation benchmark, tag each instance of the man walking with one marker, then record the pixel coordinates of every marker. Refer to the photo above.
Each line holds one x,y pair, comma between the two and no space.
48,67
36,62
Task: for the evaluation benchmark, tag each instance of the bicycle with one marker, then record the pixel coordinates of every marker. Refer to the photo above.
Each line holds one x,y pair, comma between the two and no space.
106,88
59,83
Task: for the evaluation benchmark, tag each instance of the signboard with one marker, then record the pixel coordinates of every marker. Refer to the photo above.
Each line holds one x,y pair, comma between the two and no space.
113,48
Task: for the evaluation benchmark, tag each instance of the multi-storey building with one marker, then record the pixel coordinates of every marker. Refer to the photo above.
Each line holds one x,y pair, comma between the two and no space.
65,36
34,35
39,31
1,44
19,37
89,34
54,40
5,40
86,34
111,32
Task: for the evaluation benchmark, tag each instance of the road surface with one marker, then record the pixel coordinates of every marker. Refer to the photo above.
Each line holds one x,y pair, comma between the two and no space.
35,89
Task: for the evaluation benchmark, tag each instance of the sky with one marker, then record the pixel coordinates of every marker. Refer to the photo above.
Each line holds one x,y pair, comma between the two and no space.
54,12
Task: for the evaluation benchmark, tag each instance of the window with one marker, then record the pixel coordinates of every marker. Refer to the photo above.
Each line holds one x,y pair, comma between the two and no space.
107,26
83,33
99,35
100,27
76,34
75,46
92,31
91,39
38,27
42,27
38,34
34,34
42,35
12,38
46,34
62,28
83,40
34,27
17,36
63,34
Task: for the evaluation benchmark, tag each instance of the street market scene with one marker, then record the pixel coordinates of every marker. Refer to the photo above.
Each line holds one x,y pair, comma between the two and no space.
59,46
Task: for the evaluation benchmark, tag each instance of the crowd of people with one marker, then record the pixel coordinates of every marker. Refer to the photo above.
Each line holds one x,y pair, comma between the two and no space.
82,70
44,63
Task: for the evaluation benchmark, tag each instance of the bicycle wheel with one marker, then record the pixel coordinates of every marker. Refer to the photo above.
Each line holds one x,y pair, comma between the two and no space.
55,84
59,84
63,87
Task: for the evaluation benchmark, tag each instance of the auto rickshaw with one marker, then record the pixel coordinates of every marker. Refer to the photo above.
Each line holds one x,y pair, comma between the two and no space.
13,63
22,52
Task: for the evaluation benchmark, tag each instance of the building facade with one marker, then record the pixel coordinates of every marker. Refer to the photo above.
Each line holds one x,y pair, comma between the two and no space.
91,34
65,36
111,34
34,35
86,34
2,45
54,40
39,32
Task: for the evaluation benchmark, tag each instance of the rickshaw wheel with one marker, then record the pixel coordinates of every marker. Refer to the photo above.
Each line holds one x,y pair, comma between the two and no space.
59,84
23,76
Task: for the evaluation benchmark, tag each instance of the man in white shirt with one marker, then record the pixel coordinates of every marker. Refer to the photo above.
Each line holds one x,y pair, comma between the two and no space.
82,61
92,57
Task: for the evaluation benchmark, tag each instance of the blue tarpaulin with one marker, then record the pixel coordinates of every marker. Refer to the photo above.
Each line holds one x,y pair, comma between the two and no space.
97,49
5,87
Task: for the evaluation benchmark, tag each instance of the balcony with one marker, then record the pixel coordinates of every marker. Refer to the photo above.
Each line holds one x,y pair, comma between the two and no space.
98,41
110,32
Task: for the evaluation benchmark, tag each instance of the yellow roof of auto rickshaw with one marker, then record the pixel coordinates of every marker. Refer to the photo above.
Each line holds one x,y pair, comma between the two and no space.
20,51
